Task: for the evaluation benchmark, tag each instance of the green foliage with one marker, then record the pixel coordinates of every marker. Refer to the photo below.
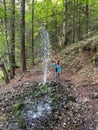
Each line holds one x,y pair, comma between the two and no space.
18,106
48,14
45,88
21,123
17,114
1,75
70,53
55,98
1,12
2,45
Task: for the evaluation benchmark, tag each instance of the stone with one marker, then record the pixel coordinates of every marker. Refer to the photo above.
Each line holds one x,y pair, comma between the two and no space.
94,95
96,126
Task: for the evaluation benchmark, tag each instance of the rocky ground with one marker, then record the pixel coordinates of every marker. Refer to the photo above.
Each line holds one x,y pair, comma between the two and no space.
71,105
67,108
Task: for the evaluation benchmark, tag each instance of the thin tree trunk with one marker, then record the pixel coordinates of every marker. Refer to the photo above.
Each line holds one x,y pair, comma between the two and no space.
12,47
33,32
4,72
77,22
47,13
55,38
22,22
79,27
87,17
5,26
65,23
73,37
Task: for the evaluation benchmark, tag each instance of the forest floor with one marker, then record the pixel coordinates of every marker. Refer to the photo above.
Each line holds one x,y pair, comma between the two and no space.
87,86
82,74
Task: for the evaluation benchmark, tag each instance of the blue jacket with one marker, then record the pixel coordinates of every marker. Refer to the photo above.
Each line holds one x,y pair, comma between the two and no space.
58,68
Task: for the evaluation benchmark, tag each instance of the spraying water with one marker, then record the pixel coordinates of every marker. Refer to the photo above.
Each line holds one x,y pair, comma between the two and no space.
46,48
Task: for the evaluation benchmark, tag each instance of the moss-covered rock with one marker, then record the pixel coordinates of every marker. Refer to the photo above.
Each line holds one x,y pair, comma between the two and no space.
21,123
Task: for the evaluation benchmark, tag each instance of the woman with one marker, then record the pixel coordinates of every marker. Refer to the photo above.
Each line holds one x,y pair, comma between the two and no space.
57,71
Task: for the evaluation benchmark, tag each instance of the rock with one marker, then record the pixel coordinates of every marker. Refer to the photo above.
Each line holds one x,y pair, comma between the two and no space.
94,95
12,126
85,85
96,126
52,83
97,113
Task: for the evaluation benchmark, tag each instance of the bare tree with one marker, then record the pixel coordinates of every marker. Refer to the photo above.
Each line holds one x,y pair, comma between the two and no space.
77,20
73,20
22,28
87,17
32,31
5,26
65,22
12,40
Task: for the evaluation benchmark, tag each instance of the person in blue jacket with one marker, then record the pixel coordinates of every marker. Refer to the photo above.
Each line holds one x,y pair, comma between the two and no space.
57,71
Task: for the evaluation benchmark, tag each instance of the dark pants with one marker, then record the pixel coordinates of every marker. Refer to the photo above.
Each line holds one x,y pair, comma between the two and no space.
57,77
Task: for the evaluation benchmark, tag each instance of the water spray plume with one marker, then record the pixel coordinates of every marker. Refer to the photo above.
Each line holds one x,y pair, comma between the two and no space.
46,48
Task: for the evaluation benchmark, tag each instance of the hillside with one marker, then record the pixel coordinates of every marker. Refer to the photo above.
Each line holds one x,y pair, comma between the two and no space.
81,60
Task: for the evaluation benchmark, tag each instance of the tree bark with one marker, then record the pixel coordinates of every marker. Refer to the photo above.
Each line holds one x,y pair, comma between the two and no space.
22,25
12,41
32,32
87,17
65,23
73,37
78,23
4,72
5,27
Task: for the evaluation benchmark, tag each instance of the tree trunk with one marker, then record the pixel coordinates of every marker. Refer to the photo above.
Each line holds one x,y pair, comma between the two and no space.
87,18
12,45
73,37
54,23
47,2
78,25
65,23
4,72
22,25
77,22
5,27
32,32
